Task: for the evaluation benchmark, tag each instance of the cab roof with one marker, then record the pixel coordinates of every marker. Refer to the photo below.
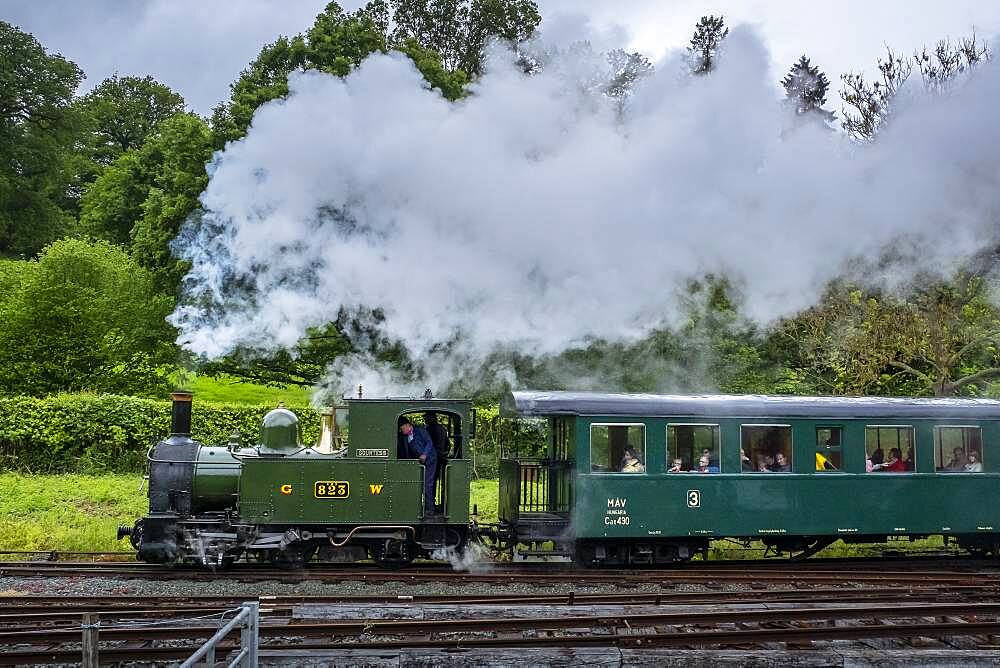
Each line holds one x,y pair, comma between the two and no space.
542,404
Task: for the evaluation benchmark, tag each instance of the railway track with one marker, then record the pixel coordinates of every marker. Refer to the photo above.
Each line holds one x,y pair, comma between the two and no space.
538,574
292,626
26,612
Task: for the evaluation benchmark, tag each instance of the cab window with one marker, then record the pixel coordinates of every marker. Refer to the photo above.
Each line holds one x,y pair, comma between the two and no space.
958,449
828,442
618,448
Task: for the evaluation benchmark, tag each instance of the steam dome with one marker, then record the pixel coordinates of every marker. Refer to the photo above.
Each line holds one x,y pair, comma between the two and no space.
279,432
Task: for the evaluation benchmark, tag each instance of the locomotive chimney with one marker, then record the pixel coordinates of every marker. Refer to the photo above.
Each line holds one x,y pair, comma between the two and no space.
180,414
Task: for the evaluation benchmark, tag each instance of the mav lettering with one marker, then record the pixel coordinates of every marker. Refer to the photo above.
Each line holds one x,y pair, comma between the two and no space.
616,503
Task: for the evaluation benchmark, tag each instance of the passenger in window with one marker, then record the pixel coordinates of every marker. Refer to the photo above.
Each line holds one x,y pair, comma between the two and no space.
745,464
958,460
631,463
894,465
878,457
974,465
762,465
705,465
910,465
677,466
711,460
781,464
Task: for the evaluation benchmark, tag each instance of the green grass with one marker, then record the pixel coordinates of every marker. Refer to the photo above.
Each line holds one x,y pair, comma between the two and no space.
72,513
80,513
484,497
721,550
230,390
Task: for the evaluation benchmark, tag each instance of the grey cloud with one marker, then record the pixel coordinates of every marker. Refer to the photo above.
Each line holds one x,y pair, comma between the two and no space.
196,47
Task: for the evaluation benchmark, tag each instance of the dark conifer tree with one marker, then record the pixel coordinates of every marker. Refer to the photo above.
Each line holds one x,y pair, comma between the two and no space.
805,87
708,35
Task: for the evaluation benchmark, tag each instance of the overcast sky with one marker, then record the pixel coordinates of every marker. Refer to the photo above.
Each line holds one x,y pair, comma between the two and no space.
199,46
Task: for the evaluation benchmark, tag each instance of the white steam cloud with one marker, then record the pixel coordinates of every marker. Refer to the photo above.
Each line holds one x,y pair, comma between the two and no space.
536,212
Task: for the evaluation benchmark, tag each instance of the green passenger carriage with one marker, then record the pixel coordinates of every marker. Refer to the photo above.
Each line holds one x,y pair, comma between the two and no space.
836,476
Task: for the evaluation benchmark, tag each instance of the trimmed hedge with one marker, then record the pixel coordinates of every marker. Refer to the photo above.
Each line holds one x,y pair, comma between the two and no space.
111,433
108,433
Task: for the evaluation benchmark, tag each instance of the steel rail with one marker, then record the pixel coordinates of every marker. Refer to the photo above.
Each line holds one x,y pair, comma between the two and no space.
493,624
619,578
69,601
33,614
700,638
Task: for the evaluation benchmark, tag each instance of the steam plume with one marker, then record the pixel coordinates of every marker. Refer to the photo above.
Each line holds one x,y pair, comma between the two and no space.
536,212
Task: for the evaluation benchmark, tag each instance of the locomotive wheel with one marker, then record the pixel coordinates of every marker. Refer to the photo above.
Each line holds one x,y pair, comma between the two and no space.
293,558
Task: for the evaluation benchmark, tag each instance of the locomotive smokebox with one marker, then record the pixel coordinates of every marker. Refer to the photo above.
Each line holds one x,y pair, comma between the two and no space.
180,415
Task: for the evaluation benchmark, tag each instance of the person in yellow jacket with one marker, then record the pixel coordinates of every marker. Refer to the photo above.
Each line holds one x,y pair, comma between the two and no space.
824,464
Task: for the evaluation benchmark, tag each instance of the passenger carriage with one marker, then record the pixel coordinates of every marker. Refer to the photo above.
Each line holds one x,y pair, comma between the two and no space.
574,495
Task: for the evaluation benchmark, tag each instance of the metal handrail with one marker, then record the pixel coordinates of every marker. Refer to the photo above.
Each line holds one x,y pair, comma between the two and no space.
249,619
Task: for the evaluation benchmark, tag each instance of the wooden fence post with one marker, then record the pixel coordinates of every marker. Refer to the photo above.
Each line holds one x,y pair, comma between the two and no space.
91,624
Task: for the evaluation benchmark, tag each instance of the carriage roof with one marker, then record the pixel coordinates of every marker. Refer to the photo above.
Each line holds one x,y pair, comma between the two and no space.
543,404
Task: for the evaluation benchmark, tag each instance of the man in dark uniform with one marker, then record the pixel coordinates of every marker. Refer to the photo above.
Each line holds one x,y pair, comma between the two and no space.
439,436
419,443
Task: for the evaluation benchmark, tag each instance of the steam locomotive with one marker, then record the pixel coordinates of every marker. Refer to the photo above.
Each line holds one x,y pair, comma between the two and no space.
860,469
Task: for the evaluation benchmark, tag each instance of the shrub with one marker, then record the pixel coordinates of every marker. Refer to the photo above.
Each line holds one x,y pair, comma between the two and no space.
111,433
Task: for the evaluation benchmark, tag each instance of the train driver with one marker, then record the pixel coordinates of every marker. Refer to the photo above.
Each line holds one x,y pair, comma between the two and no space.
419,443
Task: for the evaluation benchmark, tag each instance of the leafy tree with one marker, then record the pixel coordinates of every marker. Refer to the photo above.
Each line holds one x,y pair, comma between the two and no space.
872,101
945,62
626,69
805,90
308,362
85,317
144,196
123,111
704,46
264,79
178,153
338,41
943,339
459,30
37,131
112,204
713,348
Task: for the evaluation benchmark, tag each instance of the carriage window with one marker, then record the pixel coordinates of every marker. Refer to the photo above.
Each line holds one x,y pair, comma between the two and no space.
958,449
828,440
889,448
693,447
618,448
766,448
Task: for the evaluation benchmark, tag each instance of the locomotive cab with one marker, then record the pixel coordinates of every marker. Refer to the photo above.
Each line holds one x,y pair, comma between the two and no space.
362,500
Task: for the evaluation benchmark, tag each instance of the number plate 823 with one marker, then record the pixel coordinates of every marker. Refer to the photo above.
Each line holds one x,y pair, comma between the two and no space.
331,489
